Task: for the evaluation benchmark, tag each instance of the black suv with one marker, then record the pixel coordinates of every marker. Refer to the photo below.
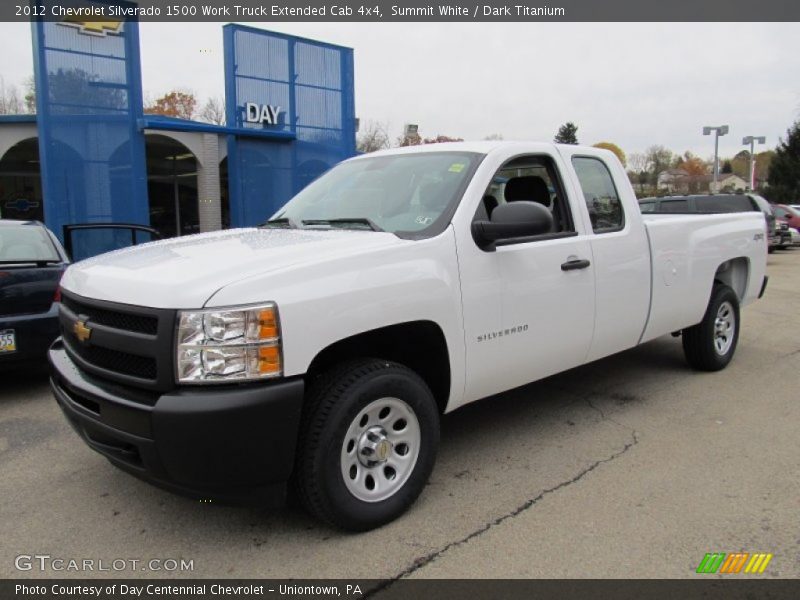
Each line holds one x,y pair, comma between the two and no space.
718,203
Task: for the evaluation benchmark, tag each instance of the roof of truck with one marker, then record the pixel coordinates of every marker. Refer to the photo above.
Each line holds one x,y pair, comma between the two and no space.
481,147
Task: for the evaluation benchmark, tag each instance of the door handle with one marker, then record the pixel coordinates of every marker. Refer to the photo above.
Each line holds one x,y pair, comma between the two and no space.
572,265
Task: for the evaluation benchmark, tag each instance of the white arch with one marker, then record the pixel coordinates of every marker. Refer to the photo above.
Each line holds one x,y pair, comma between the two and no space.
14,133
192,141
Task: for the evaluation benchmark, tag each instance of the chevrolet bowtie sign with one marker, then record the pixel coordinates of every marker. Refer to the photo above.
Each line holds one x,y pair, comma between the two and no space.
261,113
99,28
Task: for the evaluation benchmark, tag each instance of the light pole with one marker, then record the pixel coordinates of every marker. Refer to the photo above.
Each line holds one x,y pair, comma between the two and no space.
718,131
752,139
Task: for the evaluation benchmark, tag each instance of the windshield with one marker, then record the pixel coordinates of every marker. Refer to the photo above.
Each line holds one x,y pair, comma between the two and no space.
406,193
26,243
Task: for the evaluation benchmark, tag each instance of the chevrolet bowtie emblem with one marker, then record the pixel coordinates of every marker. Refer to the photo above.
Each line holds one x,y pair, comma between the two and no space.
82,332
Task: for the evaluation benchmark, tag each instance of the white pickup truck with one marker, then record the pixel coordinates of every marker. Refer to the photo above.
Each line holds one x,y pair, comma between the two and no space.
322,347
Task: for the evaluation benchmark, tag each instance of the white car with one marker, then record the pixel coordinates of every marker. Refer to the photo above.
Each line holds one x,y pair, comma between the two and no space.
322,347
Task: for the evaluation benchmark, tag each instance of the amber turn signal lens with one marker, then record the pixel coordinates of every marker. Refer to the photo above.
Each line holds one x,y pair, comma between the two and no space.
267,324
269,360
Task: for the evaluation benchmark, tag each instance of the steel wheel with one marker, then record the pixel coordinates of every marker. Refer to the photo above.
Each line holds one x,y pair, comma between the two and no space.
724,328
380,449
711,344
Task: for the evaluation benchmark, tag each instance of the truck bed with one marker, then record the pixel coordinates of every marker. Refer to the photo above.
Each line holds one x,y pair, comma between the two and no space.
686,250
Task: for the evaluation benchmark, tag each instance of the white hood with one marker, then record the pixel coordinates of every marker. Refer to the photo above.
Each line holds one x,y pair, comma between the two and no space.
185,272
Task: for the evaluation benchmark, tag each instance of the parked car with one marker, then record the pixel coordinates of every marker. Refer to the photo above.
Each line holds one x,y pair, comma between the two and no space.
322,347
32,262
788,214
795,236
785,233
718,203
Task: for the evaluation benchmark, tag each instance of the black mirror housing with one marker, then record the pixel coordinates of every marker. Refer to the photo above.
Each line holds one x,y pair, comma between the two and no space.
520,219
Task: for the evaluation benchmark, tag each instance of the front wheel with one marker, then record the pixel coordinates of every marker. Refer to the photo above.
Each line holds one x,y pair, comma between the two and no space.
710,345
367,445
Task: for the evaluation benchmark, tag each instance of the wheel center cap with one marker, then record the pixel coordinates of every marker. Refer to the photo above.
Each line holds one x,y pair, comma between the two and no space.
373,447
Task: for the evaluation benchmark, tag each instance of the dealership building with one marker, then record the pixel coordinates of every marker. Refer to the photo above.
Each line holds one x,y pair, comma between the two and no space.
91,155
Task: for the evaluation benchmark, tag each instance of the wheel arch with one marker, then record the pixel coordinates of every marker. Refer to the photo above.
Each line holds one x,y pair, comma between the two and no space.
735,273
419,345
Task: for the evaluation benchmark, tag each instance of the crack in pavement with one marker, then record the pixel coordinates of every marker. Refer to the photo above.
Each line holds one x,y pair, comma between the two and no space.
429,558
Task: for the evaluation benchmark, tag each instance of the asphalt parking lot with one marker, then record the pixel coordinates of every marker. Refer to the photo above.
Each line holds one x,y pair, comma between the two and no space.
633,466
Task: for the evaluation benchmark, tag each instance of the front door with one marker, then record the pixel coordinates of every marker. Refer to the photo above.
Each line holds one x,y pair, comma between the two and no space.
528,306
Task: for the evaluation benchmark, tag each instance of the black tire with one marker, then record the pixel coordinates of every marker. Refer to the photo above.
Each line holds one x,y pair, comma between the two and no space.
700,342
332,406
771,249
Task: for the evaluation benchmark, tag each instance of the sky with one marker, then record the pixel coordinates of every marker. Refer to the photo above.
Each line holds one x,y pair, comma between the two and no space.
633,84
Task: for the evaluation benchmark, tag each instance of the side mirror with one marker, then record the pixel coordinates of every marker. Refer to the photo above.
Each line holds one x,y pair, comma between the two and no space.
518,219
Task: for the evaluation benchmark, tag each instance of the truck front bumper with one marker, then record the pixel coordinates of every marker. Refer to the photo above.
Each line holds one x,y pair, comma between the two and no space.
231,444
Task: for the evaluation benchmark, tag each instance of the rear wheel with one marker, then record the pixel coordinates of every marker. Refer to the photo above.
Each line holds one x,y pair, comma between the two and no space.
711,344
368,444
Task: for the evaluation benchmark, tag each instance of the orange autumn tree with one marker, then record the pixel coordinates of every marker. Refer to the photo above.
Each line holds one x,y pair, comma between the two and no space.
174,104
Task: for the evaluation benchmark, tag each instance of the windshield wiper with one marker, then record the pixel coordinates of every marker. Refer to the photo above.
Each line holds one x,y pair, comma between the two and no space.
282,222
346,221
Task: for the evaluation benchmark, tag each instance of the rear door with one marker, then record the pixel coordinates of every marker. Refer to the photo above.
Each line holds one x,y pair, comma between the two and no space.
620,252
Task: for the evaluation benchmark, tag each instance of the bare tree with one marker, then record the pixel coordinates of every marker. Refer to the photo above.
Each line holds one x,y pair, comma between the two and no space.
413,139
30,95
213,111
10,100
637,169
373,137
441,139
494,137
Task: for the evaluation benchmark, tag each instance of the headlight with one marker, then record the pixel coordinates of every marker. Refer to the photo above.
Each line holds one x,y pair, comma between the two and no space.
233,344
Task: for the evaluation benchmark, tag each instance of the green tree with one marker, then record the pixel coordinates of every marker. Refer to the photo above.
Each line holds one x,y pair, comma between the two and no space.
784,169
567,134
659,159
763,162
615,149
740,165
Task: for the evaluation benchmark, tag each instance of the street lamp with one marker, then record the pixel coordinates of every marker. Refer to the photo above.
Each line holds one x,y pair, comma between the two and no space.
718,131
752,139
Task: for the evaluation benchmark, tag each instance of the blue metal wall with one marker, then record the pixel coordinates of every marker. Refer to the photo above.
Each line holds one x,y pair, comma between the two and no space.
312,82
88,100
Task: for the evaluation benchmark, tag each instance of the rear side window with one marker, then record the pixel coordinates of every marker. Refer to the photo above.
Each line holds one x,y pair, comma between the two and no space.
26,243
647,206
723,204
678,205
600,193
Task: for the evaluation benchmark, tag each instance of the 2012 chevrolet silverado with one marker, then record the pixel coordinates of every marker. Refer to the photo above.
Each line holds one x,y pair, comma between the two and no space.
321,348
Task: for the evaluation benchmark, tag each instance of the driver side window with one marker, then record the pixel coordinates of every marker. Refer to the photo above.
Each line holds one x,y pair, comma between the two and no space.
532,178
